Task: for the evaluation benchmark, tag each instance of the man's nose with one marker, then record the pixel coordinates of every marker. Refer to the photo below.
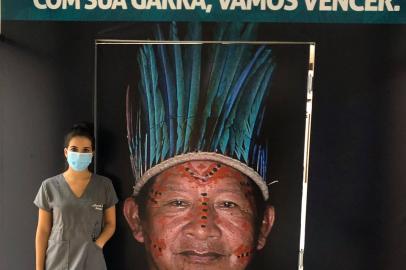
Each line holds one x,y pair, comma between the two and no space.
202,224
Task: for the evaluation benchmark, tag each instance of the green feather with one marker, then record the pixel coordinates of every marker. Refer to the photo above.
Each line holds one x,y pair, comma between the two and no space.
232,97
164,144
236,59
250,91
146,82
157,106
194,84
180,90
252,114
216,65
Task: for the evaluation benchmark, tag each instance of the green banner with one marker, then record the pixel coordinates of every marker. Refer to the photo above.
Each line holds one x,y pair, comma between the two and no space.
305,11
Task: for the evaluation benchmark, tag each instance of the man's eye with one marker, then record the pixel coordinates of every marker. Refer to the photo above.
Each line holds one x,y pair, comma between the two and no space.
178,203
228,204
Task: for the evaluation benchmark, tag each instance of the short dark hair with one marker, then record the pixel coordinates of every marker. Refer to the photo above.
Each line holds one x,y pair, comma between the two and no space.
82,129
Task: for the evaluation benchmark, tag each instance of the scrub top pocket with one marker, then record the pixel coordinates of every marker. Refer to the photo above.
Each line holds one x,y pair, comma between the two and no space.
57,255
95,259
97,247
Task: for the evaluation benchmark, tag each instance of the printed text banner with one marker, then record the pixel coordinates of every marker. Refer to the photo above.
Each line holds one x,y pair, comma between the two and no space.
312,11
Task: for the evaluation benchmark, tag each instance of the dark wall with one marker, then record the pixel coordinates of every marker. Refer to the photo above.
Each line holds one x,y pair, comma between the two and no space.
44,89
356,206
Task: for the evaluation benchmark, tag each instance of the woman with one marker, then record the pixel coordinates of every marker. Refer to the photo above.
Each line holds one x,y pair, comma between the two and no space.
77,213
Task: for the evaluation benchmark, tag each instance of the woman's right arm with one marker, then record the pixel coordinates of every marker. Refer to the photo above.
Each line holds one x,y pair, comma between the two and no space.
41,237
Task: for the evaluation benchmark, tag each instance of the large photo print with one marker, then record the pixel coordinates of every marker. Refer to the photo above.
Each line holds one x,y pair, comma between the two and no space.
204,130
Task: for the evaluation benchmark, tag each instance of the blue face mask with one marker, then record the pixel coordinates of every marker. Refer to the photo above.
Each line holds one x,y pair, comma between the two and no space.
79,161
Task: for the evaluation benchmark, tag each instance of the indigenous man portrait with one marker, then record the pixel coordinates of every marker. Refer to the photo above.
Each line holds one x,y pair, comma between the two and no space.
200,164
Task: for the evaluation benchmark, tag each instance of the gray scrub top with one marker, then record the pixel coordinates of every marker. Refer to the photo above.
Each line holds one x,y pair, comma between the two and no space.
77,222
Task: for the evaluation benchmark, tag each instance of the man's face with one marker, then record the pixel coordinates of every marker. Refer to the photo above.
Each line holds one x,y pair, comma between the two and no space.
200,215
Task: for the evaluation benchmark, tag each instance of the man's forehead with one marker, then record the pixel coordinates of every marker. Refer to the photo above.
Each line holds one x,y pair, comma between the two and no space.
202,173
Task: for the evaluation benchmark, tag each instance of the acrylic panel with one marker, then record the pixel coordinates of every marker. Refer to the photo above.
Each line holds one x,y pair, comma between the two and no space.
156,100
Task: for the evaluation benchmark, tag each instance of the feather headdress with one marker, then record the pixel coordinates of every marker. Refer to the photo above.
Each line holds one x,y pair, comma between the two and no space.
200,108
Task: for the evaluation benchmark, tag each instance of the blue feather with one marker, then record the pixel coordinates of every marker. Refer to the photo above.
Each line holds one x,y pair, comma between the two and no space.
232,60
261,157
260,120
232,97
244,125
146,82
158,107
266,165
232,84
165,142
263,163
244,103
168,89
242,54
138,140
152,75
253,113
254,155
216,66
180,89
223,143
130,132
193,86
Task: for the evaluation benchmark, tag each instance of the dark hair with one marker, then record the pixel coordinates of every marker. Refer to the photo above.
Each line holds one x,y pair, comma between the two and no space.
82,129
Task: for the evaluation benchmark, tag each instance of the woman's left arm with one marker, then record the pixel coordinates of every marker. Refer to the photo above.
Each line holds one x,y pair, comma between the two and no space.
109,220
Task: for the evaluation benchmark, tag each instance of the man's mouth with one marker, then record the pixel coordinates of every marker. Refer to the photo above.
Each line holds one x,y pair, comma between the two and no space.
201,257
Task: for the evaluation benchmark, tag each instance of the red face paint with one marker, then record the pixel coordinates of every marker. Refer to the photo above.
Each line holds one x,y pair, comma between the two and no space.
157,247
155,193
243,254
203,215
203,210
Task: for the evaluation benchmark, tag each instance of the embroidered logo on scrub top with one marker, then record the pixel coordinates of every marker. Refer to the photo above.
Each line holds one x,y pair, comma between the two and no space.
97,206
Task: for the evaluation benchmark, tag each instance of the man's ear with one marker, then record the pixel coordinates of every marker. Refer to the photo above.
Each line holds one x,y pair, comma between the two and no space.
131,214
266,226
